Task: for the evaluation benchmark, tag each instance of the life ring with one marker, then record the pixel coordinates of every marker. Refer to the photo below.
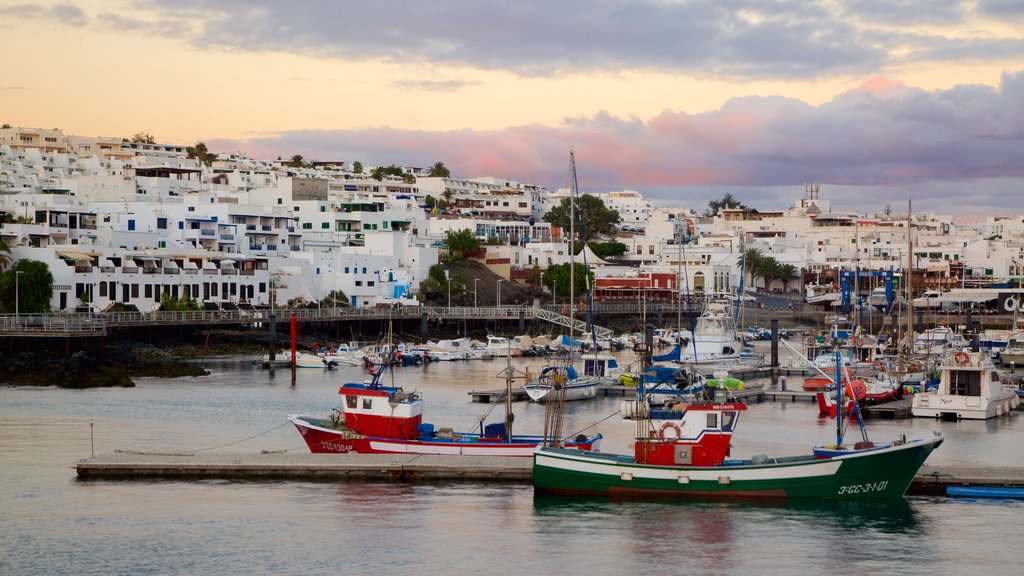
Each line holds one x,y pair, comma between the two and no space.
667,426
961,358
1010,305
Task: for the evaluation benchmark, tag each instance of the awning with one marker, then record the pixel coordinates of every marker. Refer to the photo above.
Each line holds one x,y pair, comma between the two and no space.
75,256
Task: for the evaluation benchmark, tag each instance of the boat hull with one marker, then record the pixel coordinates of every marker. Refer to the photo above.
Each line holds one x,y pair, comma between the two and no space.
573,392
874,474
323,440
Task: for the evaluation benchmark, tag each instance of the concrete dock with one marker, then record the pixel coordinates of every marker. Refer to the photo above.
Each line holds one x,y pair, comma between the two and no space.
931,480
303,466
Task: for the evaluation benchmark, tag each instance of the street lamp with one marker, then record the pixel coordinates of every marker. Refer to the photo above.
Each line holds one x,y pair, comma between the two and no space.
17,312
449,279
475,280
500,280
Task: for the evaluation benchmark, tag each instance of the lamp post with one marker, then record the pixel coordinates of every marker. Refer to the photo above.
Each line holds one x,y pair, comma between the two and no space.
17,311
500,280
475,280
449,279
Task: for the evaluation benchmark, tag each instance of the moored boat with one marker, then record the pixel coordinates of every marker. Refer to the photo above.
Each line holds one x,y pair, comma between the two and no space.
969,388
376,419
683,452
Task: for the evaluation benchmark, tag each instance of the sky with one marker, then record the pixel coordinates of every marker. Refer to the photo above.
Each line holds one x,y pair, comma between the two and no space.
878,101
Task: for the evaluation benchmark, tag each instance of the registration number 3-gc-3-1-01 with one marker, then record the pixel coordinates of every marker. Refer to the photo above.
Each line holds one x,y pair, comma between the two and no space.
864,488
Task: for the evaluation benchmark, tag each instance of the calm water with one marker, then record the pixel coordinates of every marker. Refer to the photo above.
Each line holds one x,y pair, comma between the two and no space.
53,523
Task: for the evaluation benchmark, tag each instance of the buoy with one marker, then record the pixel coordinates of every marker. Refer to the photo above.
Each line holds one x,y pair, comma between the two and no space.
1010,305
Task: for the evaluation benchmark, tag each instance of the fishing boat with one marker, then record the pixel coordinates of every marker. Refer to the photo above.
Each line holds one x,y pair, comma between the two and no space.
378,419
969,388
683,452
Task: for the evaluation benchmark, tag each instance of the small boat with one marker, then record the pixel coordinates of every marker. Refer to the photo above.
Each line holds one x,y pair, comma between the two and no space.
986,491
557,378
376,419
969,388
683,452
302,360
1013,353
604,367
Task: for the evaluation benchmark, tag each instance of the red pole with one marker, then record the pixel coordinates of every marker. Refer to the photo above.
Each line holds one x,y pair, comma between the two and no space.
295,332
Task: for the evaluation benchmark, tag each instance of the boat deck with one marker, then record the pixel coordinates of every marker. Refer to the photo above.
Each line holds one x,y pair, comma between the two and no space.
931,480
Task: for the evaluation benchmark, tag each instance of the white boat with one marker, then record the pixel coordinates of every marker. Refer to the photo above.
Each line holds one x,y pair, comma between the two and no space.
714,337
602,366
284,359
938,341
969,388
554,379
1013,353
823,294
501,347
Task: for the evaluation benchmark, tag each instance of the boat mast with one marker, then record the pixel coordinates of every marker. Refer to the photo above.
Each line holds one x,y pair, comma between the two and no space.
910,282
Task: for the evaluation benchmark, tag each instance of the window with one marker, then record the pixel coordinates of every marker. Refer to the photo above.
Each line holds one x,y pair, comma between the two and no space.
326,225
364,270
149,290
359,282
712,420
307,225
367,403
263,287
351,402
346,269
369,283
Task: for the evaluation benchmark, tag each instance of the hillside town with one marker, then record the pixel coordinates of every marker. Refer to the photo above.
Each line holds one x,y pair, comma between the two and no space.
122,223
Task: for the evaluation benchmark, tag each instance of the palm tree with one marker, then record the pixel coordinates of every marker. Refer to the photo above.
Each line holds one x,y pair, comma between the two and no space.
788,273
439,170
769,269
377,173
750,263
5,254
296,161
200,152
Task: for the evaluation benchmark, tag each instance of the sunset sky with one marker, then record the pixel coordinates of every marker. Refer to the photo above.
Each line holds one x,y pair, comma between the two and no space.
880,101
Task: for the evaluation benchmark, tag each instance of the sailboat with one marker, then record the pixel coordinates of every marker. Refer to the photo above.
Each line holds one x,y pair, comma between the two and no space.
683,452
562,382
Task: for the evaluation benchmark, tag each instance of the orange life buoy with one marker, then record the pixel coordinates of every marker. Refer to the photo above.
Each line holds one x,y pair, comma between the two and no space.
674,427
961,358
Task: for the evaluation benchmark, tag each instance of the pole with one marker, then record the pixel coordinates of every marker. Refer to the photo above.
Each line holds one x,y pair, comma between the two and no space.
475,280
500,280
17,294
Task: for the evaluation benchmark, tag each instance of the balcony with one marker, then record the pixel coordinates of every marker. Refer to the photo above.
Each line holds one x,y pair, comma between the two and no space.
205,232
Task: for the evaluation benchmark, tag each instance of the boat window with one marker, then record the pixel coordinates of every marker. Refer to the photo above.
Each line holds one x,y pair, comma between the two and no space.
367,403
350,401
965,383
728,419
713,420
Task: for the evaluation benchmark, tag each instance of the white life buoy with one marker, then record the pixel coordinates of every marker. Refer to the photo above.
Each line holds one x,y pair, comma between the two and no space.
1010,305
670,426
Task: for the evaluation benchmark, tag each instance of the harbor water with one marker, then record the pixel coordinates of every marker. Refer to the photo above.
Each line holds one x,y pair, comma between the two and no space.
54,523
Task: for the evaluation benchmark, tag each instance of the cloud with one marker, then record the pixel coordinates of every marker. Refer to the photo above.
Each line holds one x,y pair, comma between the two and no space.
432,85
65,13
534,38
882,139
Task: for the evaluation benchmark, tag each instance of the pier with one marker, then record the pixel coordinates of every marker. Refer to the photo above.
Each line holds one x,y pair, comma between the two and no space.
130,465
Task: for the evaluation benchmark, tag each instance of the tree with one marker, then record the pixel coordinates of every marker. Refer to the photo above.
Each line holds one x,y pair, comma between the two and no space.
5,254
608,249
377,173
461,243
769,269
199,152
592,217
170,303
447,194
438,170
357,167
727,201
31,292
335,299
408,179
430,202
557,279
750,263
6,127
143,138
296,161
788,273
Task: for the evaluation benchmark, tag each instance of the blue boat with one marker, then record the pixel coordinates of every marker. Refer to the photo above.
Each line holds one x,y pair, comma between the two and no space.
985,491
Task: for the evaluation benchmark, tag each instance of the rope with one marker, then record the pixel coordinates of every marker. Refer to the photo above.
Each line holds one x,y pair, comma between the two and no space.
582,430
286,422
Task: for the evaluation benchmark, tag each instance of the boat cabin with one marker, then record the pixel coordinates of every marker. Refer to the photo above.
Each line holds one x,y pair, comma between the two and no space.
688,434
382,411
